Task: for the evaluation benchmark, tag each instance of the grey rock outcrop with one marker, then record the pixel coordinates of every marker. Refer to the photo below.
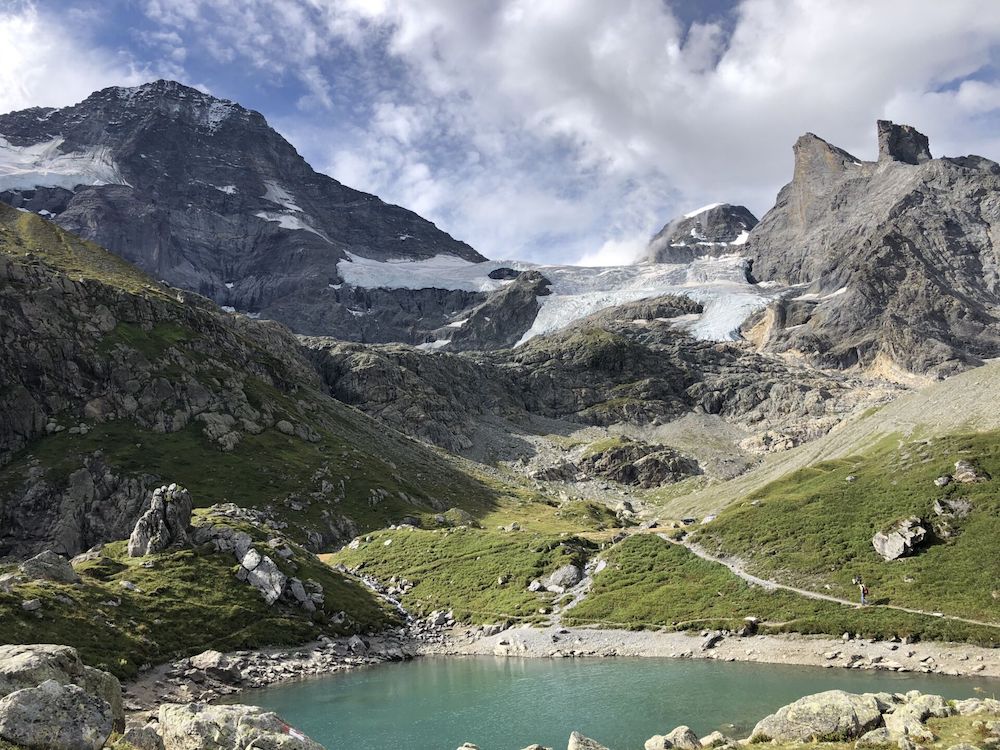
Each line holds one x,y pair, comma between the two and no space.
967,472
902,143
55,716
267,232
716,230
628,462
47,565
28,666
197,726
900,257
165,524
578,741
261,572
682,738
902,538
501,320
832,715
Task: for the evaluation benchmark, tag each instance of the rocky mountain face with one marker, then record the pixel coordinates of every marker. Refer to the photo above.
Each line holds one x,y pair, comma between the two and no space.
111,384
899,258
203,194
714,230
625,365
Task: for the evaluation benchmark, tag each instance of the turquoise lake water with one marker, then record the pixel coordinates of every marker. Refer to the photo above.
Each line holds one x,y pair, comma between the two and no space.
437,703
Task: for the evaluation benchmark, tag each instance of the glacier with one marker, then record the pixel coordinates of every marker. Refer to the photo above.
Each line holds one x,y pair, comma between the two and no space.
719,284
46,165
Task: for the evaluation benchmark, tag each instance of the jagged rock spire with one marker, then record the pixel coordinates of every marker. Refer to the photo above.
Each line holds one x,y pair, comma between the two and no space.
902,143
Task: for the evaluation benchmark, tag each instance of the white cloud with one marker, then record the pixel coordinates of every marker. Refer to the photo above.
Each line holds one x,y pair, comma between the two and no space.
43,63
625,95
567,128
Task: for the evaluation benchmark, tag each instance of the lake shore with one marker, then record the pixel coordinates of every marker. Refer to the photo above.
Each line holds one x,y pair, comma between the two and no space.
953,659
228,675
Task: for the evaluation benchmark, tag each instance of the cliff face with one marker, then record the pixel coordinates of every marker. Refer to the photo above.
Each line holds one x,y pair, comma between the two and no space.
901,257
203,194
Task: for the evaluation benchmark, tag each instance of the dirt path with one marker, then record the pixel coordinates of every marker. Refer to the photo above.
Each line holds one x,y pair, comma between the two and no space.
736,567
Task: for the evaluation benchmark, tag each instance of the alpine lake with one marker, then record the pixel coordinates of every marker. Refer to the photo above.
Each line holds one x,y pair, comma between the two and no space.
502,703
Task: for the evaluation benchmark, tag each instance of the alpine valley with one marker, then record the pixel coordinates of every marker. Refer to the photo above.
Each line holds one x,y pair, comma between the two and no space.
256,424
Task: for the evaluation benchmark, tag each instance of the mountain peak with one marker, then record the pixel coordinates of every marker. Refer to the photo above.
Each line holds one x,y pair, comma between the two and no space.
902,143
715,229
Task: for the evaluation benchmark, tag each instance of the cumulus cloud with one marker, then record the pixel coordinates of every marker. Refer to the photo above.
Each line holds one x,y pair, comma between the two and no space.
573,129
45,63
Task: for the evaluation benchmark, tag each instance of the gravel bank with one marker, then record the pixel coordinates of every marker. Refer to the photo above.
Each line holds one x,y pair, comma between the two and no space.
820,651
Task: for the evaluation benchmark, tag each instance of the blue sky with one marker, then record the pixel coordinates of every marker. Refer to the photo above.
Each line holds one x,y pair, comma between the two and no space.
558,131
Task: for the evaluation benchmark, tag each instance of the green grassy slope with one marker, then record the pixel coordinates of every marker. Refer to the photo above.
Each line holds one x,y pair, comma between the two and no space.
462,569
965,403
650,582
188,600
813,527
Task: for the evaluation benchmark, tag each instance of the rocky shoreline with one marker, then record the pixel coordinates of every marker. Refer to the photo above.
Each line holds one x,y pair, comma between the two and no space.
212,676
848,652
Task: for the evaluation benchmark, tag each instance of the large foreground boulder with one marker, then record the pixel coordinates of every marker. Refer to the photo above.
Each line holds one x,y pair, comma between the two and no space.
29,665
833,715
197,726
54,716
900,539
165,524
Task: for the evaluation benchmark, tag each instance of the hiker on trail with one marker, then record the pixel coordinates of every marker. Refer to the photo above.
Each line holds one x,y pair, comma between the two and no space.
863,589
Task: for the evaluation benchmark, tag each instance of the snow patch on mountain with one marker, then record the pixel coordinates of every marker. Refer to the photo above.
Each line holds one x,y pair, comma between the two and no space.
45,165
277,194
286,221
701,210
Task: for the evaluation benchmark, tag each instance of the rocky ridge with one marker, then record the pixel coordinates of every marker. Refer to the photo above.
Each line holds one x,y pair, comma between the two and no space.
898,258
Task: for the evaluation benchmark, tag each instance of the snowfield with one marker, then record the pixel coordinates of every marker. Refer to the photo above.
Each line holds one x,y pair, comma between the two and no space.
577,291
45,165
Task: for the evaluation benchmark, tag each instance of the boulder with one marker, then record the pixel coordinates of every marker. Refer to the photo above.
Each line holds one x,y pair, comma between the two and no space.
216,665
711,640
833,715
900,539
145,737
55,716
975,706
967,473
263,574
907,721
28,665
49,566
715,739
682,737
878,737
567,576
578,742
927,706
165,524
197,726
